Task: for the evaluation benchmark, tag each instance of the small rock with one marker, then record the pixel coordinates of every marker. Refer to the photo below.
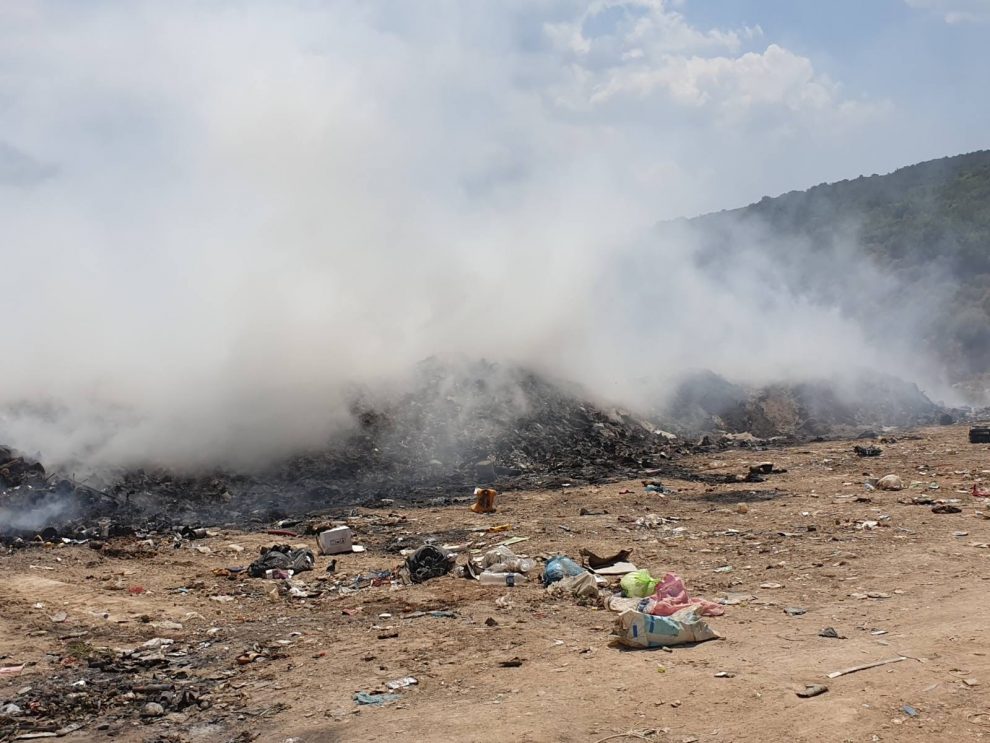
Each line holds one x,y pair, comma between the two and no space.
812,690
890,482
795,611
152,709
830,632
771,585
971,682
910,711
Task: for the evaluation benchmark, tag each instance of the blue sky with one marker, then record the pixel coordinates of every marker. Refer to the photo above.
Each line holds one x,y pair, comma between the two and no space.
930,59
723,102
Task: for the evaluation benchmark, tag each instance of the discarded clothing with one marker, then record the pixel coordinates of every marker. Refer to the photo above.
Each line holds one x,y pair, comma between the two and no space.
429,562
671,596
638,630
560,567
281,557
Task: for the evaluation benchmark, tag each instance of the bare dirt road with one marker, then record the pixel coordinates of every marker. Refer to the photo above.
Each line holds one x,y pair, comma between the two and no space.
146,643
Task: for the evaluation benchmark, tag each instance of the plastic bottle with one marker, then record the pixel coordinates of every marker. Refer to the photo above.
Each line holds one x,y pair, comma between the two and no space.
502,579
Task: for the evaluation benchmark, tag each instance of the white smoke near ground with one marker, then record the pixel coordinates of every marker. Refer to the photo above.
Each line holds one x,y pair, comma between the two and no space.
217,218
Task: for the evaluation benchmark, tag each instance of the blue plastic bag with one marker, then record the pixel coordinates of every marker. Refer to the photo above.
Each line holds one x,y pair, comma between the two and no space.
560,567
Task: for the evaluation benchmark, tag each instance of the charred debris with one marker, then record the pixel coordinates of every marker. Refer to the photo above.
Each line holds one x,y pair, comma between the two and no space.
451,430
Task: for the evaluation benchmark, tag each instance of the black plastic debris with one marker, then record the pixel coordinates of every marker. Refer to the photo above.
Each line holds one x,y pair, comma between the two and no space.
281,557
868,451
429,562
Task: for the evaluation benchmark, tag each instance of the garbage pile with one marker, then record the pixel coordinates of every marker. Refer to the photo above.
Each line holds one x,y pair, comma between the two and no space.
453,428
705,401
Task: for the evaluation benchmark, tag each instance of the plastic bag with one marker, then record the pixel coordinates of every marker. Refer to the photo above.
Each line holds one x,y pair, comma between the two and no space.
638,584
579,586
503,559
560,567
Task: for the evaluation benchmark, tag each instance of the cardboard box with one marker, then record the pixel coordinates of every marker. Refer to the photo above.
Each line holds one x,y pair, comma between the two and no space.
335,541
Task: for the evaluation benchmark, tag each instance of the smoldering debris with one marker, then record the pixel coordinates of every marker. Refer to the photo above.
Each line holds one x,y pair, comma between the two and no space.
829,407
455,428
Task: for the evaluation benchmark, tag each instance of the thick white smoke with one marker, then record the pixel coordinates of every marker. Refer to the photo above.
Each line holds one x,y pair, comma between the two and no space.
216,217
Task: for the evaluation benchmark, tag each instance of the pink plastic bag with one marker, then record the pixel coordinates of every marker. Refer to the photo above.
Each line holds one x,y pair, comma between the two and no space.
671,596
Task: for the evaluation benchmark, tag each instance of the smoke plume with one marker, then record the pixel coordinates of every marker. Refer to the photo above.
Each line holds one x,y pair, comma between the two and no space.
218,219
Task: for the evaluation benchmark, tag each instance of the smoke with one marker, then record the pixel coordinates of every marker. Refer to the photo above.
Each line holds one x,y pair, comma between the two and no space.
218,218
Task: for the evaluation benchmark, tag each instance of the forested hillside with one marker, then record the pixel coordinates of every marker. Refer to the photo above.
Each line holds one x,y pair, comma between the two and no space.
924,228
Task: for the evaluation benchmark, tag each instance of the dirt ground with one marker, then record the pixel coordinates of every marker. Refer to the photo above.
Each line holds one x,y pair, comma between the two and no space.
892,578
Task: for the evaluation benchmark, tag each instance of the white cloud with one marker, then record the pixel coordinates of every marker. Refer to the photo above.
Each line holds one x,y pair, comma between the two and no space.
956,11
641,56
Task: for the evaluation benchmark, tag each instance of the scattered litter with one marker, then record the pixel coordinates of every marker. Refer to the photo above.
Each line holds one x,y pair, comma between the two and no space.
513,540
795,611
512,662
503,560
638,630
979,492
501,578
280,559
583,585
335,541
402,683
484,500
560,567
733,599
11,670
671,596
830,632
868,451
620,568
946,508
375,700
724,675
771,585
910,711
812,690
428,562
638,584
865,666
595,562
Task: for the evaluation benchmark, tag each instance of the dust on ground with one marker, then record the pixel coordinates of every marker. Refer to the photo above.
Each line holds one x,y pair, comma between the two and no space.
223,659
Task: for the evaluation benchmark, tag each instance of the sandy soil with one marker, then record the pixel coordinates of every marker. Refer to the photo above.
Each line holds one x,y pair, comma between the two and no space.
915,584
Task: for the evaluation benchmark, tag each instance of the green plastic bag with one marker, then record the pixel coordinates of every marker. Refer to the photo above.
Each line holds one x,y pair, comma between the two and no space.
638,584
